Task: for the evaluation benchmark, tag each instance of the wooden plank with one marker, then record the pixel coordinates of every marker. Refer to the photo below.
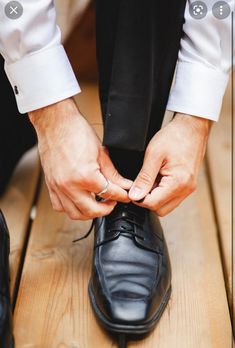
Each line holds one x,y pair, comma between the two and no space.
220,169
16,204
53,309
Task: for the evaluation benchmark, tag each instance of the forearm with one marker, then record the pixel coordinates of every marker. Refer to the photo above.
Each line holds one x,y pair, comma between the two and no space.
53,117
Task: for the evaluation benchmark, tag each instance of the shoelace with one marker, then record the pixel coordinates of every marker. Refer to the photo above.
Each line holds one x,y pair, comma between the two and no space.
86,234
122,230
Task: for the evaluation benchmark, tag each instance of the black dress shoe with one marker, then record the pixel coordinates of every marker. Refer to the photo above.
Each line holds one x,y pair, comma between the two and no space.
6,337
131,278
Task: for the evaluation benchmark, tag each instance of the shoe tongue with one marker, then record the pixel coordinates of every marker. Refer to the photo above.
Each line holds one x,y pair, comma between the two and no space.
129,208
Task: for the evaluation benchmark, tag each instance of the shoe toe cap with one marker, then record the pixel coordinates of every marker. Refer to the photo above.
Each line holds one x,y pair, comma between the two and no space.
129,311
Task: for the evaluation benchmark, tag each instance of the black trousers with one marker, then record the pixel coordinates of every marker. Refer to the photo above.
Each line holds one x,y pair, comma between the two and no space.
16,133
137,48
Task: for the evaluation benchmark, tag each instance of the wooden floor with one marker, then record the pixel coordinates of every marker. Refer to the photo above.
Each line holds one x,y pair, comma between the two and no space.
49,274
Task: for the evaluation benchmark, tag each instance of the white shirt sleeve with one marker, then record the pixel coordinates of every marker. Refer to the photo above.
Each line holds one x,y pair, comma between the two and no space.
35,61
203,65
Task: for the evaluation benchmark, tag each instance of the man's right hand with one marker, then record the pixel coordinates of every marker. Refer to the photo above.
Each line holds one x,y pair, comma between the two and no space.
72,157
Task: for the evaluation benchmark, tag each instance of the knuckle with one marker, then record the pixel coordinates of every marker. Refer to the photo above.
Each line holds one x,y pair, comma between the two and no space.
83,177
51,185
57,208
160,213
74,215
145,177
89,214
63,184
98,213
102,211
185,180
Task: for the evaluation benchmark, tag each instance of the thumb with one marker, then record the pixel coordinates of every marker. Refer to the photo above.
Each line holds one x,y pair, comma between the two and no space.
145,180
110,172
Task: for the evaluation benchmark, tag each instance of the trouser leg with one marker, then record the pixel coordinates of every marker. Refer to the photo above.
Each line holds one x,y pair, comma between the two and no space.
16,132
137,51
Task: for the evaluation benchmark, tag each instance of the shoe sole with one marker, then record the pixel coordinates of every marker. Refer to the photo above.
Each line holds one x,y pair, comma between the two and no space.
135,329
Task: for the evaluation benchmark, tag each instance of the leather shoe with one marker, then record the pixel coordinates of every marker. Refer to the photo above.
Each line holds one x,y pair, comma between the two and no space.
131,277
6,337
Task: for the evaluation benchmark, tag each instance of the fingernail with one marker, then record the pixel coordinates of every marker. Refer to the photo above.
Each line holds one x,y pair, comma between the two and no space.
135,193
128,182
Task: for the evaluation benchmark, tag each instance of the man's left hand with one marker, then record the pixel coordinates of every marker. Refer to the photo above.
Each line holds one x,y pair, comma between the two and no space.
171,164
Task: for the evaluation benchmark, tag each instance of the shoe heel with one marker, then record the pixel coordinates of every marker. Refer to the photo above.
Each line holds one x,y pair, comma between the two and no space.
122,341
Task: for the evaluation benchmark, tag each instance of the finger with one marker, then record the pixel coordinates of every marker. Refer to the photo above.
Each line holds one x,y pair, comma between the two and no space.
116,193
70,208
169,207
146,177
110,172
160,196
91,208
94,182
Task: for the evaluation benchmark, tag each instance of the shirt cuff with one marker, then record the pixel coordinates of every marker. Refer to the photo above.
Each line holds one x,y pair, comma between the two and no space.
198,90
42,78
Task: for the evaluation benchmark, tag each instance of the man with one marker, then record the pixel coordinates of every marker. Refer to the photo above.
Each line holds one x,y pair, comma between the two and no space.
139,169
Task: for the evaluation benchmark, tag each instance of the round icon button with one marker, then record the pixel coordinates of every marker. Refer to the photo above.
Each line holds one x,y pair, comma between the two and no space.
198,9
221,10
13,10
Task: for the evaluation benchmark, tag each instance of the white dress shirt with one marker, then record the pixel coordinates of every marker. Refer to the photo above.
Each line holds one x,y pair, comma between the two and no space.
40,72
205,60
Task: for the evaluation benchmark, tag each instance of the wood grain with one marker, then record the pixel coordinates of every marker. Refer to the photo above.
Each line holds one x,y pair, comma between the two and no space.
16,204
53,310
220,170
197,315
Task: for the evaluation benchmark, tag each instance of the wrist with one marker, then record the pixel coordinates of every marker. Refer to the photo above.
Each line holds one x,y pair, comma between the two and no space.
47,117
201,125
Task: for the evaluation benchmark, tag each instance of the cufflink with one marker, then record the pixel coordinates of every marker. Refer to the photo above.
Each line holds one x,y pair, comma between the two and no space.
16,90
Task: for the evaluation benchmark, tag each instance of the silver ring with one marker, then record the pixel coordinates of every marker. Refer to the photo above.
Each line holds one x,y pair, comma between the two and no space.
105,190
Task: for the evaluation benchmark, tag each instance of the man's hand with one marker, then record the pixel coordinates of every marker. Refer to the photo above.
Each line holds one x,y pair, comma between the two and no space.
71,155
171,164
